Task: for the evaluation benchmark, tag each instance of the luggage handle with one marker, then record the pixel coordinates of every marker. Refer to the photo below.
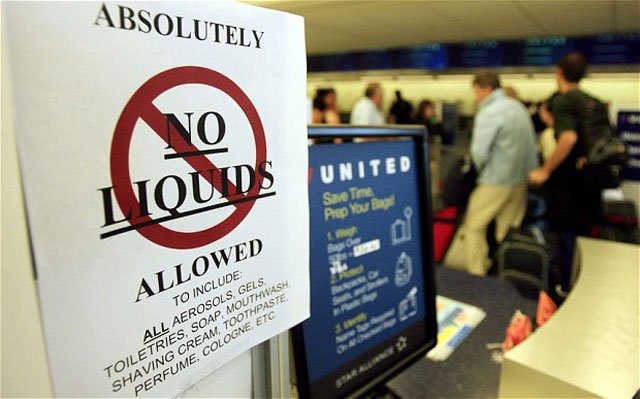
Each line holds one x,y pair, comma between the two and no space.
537,235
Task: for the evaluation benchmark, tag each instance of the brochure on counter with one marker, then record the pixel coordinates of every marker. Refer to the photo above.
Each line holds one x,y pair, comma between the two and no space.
455,321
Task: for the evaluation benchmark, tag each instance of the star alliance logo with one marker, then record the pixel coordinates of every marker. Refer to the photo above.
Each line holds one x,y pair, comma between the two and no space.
401,344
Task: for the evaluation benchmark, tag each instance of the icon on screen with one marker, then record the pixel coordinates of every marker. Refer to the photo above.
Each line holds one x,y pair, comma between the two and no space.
401,229
408,307
404,270
337,267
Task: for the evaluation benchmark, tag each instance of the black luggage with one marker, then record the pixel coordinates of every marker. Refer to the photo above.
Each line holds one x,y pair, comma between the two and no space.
619,222
459,183
524,259
606,154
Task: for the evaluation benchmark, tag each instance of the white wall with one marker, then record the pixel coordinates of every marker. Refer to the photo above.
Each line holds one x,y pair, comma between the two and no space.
621,90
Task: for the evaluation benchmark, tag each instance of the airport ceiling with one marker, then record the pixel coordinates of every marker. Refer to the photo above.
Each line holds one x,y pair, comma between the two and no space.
347,25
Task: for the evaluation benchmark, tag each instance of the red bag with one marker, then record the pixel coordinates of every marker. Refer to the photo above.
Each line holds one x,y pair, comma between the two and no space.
519,329
546,308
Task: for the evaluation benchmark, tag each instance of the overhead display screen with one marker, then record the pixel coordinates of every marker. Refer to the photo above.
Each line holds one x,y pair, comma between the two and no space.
380,59
332,62
476,54
538,50
430,56
372,298
612,49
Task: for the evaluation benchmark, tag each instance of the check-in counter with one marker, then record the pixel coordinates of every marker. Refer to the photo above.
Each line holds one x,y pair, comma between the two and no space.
589,347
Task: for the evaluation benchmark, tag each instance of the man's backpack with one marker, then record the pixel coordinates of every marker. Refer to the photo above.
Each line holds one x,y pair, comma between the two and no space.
606,155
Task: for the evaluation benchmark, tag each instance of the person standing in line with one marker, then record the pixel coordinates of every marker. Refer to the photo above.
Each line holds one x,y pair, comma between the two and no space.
400,112
547,138
426,116
325,109
511,92
573,205
366,110
503,150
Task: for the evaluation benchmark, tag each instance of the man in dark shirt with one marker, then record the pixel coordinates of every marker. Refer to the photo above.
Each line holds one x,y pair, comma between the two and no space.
400,111
573,206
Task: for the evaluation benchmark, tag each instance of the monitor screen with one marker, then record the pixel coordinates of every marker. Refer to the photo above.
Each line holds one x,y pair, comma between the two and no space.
541,51
612,49
331,62
376,59
430,56
372,293
628,129
482,54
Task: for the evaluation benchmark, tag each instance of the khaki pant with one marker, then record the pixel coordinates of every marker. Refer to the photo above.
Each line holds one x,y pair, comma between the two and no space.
505,204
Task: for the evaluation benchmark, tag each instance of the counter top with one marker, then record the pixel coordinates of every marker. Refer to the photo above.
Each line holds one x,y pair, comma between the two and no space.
472,370
589,347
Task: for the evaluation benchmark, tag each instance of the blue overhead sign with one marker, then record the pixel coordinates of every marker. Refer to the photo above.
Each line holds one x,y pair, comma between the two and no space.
538,51
476,54
378,59
610,49
430,56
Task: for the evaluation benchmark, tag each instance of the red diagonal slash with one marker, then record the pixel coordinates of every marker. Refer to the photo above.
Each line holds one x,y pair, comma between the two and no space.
140,106
158,123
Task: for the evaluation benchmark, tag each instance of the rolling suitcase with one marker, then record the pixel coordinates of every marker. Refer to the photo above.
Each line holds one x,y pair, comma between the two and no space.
619,222
524,259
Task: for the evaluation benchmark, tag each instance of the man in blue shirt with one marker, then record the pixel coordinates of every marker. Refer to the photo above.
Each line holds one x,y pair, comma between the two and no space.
503,150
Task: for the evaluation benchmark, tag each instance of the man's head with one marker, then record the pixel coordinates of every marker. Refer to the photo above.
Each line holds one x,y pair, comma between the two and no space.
484,83
571,69
374,92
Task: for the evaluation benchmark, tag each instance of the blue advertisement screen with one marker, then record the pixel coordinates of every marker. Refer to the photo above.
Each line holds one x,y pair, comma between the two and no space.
367,283
628,127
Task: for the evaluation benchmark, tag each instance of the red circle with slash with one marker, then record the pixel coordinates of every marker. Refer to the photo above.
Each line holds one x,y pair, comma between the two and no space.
141,106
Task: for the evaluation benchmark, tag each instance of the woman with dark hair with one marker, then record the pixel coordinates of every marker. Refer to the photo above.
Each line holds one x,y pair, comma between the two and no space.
426,116
325,109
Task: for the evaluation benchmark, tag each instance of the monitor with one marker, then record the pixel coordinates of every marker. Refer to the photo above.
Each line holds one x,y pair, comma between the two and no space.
371,260
477,54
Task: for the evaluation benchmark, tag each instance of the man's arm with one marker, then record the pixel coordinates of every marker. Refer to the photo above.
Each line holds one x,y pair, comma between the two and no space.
566,141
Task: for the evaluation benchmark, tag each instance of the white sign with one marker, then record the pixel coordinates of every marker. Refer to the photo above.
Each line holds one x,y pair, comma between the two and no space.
164,161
